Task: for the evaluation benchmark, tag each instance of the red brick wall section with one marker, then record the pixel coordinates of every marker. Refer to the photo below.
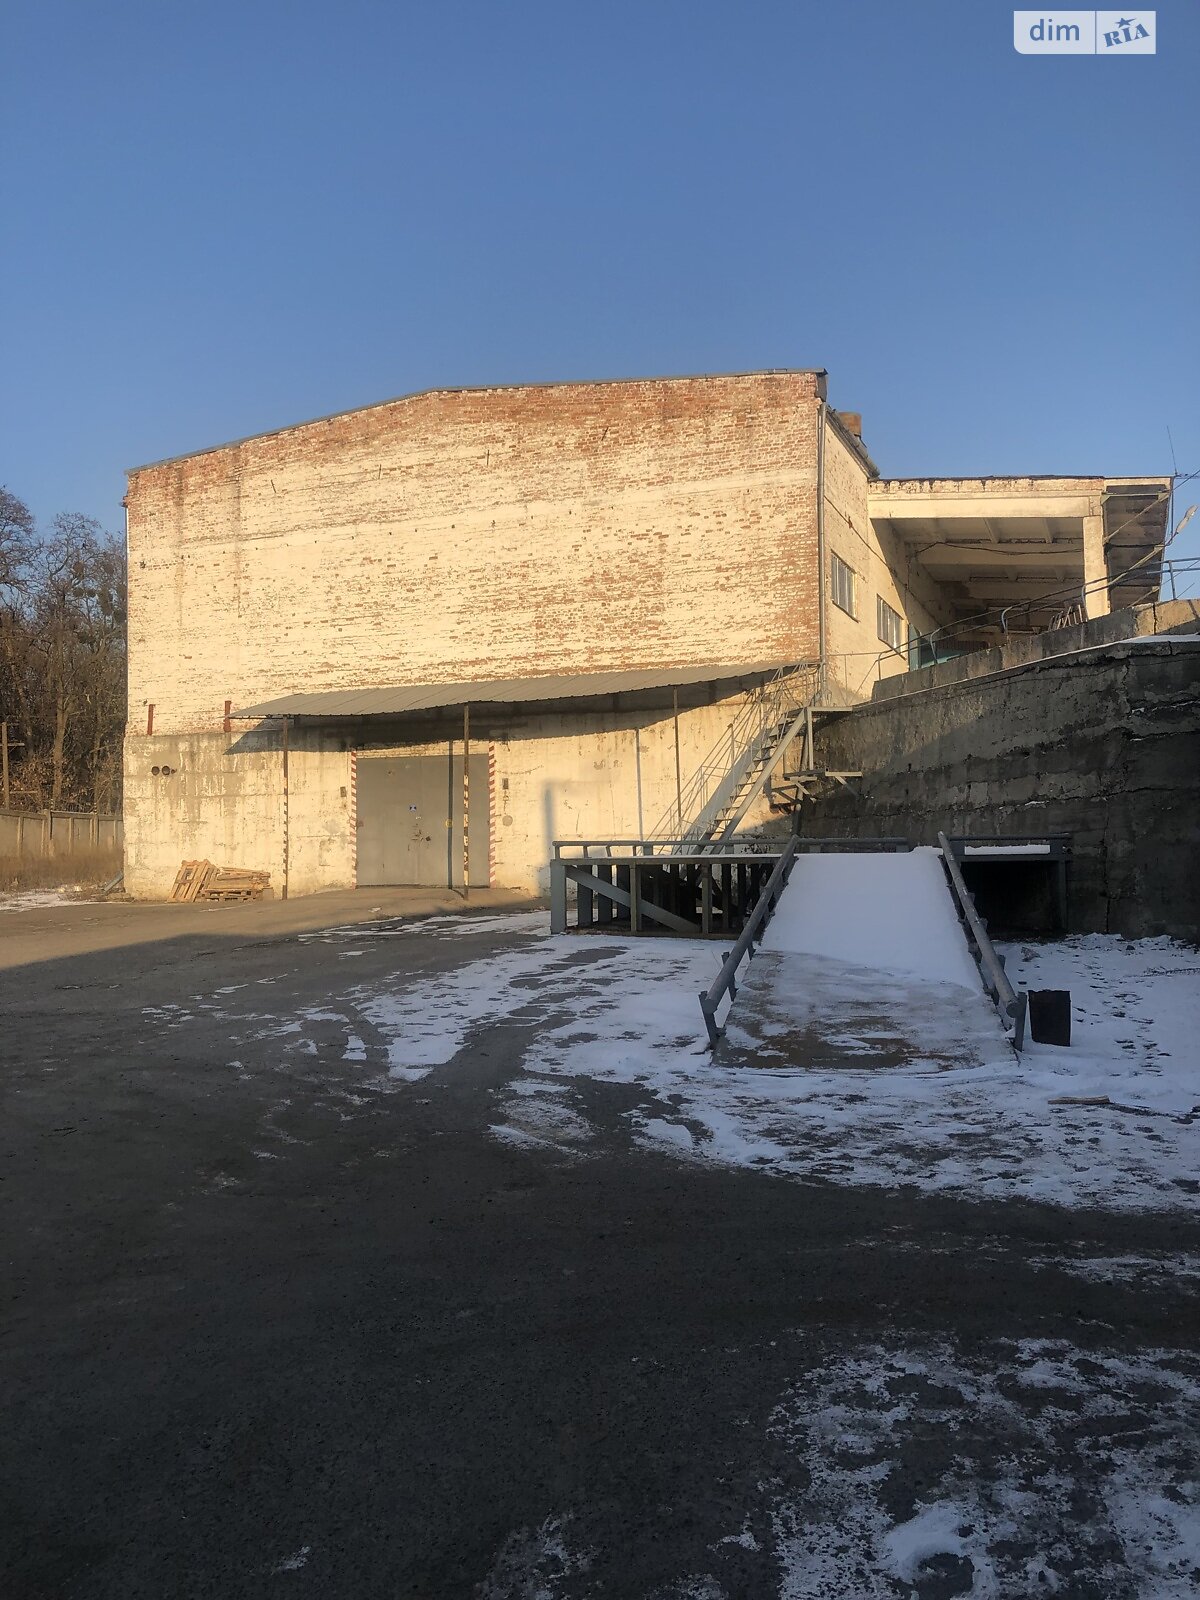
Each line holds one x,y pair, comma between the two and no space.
479,534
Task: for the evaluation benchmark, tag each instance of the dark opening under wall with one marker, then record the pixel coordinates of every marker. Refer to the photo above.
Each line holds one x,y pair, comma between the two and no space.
1014,898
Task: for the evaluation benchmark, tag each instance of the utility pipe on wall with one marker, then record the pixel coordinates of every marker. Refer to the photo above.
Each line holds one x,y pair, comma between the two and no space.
466,849
678,771
637,767
286,850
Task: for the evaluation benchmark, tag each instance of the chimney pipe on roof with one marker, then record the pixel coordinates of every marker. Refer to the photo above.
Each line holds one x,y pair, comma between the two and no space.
852,422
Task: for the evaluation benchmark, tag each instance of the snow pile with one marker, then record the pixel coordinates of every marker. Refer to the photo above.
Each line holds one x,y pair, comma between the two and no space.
1006,851
889,912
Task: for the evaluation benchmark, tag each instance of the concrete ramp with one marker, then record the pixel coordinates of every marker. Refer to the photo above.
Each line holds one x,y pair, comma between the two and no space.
865,964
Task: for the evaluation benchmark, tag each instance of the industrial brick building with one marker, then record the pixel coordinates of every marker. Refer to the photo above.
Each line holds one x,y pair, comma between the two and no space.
582,587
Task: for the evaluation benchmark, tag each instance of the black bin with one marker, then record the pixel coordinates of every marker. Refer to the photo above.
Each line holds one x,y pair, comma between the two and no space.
1050,1016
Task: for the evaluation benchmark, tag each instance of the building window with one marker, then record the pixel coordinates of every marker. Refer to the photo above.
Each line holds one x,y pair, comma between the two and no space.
889,624
842,587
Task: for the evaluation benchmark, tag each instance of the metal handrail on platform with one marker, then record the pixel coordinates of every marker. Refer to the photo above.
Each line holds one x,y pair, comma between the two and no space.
601,849
1012,1004
687,894
748,844
725,982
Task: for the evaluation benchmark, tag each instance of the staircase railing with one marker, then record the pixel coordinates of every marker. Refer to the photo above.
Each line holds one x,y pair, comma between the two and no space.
730,818
726,768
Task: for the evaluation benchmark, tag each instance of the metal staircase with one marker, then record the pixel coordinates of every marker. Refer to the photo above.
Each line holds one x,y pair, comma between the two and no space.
788,791
738,768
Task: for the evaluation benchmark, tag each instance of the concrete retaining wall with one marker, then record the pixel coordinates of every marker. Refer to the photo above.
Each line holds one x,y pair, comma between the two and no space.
1168,616
1103,745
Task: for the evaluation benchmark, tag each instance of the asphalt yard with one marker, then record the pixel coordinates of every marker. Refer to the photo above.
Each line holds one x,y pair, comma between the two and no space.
376,1246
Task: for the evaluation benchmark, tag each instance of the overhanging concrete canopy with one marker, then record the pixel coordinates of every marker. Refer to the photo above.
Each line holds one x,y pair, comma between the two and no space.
1032,544
546,692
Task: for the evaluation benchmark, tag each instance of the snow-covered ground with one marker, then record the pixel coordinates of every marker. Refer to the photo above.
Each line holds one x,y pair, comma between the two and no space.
1135,1018
996,1128
1007,1520
36,899
902,1461
1032,1468
613,1010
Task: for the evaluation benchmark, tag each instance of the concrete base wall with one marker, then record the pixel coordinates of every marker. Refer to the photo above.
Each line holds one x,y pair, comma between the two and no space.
1103,746
589,775
221,797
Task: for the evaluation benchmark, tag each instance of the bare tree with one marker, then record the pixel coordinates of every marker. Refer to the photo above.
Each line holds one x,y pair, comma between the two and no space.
62,657
16,538
16,545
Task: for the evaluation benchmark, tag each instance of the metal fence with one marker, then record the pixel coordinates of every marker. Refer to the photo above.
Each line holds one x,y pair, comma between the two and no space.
49,835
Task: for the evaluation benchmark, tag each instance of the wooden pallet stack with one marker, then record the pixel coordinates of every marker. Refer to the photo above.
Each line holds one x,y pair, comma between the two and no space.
200,880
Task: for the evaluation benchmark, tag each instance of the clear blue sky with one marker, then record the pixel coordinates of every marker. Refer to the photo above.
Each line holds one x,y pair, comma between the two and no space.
222,218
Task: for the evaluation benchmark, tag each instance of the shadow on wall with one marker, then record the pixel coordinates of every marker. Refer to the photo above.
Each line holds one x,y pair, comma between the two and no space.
542,868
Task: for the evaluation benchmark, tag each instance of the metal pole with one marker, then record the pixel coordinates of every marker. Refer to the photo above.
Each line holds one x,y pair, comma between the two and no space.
4,745
286,852
466,849
678,772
